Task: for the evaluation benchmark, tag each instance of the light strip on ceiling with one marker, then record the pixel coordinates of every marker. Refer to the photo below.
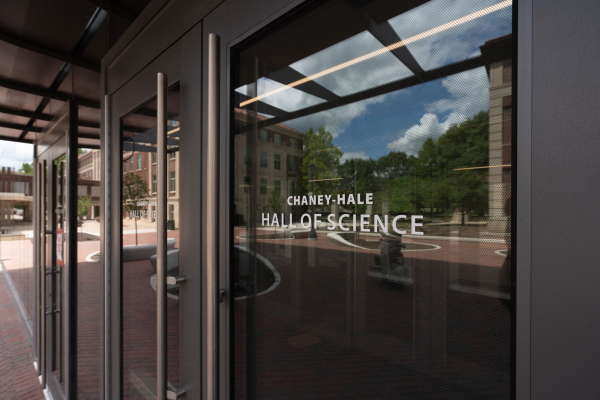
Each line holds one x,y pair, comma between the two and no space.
487,166
383,50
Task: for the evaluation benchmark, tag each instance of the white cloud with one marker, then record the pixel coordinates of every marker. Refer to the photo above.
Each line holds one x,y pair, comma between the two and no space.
428,127
354,155
364,75
454,44
336,120
288,100
468,95
14,154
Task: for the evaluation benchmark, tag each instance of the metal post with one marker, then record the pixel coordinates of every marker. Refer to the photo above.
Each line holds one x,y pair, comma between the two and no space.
212,220
107,254
161,243
42,275
313,234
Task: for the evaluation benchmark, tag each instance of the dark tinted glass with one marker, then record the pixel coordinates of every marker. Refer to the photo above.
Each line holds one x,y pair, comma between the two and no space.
376,263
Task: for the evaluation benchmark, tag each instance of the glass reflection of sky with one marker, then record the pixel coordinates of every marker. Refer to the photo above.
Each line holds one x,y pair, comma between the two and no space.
403,120
370,73
455,44
289,100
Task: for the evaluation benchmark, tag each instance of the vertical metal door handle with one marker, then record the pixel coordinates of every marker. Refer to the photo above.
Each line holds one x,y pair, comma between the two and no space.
107,242
42,358
161,243
212,208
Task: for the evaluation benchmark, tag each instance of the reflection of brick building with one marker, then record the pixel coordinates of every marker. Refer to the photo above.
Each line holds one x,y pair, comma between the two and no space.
144,164
88,184
89,165
16,193
500,131
278,155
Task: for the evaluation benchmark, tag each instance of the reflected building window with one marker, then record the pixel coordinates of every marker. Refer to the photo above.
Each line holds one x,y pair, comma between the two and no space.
292,164
263,186
263,135
154,184
172,181
277,138
277,161
263,159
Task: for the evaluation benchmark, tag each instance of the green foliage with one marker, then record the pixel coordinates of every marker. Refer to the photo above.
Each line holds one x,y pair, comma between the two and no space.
318,149
83,204
26,169
446,174
275,201
135,190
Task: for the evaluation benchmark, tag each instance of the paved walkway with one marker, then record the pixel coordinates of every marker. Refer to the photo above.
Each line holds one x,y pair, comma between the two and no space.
18,378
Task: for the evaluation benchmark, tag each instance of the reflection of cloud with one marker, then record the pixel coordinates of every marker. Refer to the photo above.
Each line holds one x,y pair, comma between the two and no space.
335,120
14,154
288,100
353,155
413,138
364,75
455,44
469,95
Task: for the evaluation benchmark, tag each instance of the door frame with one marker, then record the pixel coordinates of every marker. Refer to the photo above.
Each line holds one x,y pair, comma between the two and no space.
181,62
250,19
58,137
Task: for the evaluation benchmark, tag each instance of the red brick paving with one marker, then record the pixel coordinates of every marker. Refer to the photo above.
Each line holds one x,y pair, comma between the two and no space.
18,378
330,331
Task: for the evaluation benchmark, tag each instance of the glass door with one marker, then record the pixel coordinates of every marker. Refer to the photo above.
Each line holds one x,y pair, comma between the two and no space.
55,269
370,203
56,160
140,229
154,212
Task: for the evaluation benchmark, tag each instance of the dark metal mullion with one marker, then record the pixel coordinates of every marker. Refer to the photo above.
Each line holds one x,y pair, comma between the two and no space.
264,108
116,8
26,114
427,76
86,37
161,241
36,90
287,75
386,35
70,266
26,128
37,48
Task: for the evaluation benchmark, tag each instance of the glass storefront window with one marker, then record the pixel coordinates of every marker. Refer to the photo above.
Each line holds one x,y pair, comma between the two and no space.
384,271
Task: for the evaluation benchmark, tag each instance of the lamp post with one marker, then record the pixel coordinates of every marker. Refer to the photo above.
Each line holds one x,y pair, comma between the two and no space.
311,172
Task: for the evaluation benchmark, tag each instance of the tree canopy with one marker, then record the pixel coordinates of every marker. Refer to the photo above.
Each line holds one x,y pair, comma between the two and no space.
445,175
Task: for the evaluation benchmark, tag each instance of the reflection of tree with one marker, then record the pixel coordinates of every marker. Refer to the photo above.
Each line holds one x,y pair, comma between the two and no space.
275,201
83,203
358,176
26,169
446,174
135,190
467,146
318,149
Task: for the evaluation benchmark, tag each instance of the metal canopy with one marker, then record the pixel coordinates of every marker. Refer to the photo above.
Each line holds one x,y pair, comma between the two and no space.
50,52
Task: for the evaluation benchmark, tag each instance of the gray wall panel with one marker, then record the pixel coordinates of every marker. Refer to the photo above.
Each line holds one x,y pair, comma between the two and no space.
565,320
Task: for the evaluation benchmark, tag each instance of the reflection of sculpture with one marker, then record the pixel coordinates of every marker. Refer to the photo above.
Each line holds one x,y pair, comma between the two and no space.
392,259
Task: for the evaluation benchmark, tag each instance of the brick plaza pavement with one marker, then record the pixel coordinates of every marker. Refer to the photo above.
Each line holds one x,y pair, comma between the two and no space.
18,378
330,329
333,330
